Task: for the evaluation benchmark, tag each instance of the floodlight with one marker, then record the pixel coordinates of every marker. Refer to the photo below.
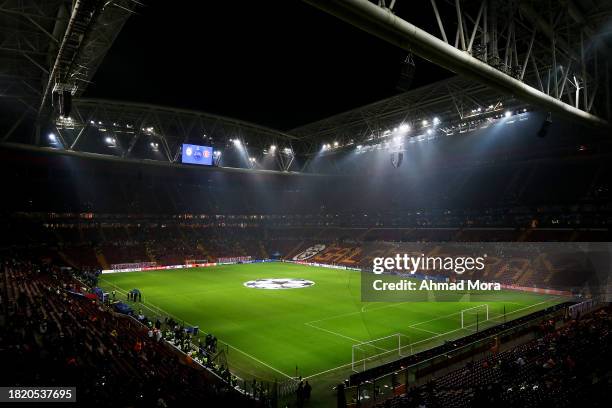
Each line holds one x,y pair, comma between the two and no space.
52,137
508,114
436,120
404,127
425,123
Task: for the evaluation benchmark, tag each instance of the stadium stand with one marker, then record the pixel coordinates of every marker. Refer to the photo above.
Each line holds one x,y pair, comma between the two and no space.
565,367
54,334
176,215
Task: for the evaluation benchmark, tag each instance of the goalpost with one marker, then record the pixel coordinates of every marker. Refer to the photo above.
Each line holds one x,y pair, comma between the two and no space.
374,352
473,316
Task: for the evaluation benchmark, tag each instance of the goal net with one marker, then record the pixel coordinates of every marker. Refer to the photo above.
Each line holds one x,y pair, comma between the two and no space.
472,318
372,353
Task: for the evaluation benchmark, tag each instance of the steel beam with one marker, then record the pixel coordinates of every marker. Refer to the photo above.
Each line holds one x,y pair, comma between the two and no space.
384,24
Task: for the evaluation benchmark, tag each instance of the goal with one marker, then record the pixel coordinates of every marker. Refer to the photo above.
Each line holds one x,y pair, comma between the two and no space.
473,317
371,353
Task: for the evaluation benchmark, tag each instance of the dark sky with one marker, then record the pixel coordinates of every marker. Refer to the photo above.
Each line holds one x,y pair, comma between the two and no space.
280,63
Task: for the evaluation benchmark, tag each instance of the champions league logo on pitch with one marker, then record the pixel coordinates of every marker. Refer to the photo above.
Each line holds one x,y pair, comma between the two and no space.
279,283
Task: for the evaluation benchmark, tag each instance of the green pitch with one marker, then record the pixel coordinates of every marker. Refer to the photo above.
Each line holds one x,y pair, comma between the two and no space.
270,333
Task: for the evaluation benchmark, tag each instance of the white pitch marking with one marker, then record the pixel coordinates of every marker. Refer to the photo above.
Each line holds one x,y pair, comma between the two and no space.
427,339
427,331
235,348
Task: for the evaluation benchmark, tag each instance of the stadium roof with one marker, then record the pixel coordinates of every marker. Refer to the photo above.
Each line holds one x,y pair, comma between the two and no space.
453,101
551,54
170,126
54,45
559,53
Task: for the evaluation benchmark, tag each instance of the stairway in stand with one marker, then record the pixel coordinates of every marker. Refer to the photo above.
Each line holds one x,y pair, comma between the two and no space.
101,258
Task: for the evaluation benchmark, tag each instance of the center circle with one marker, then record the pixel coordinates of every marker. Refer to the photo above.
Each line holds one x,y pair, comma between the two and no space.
279,283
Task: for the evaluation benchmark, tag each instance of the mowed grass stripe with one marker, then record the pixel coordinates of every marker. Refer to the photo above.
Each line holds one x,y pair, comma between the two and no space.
270,325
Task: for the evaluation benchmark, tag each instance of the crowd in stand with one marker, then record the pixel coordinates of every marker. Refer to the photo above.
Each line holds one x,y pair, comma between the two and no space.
185,339
176,242
450,347
51,334
565,367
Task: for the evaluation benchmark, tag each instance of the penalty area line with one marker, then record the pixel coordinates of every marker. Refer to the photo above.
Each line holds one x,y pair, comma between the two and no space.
332,332
430,338
424,330
364,309
343,336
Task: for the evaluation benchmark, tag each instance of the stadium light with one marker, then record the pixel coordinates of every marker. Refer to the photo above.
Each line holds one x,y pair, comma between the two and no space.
52,138
508,114
436,120
335,144
359,147
110,141
236,142
429,131
404,127
252,159
425,123
287,150
272,148
216,153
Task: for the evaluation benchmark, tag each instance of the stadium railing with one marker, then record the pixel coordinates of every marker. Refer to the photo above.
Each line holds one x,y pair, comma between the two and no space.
372,389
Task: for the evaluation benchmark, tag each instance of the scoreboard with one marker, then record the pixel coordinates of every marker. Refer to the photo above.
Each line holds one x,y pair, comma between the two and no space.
196,154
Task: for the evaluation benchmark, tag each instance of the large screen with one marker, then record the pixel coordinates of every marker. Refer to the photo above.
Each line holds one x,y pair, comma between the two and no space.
195,154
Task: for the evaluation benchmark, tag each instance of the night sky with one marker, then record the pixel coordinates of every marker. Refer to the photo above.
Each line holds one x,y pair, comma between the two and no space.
278,63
